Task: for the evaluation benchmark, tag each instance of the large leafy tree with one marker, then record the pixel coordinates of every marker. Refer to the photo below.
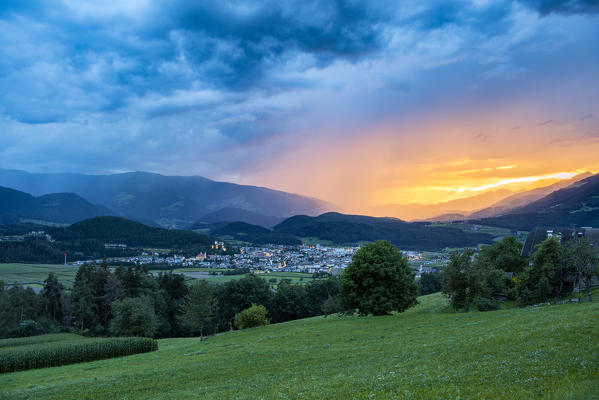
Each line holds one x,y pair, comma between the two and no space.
378,280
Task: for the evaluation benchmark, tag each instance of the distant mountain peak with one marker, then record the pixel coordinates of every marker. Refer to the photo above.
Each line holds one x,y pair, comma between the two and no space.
170,201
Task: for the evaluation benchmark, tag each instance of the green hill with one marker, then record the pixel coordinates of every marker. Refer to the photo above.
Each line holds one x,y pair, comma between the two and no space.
255,234
131,233
425,353
86,240
345,229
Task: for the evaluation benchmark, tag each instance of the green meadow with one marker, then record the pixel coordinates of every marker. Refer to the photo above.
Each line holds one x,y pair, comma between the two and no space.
427,352
34,275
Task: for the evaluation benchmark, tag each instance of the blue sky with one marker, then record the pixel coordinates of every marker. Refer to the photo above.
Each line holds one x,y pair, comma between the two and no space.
259,91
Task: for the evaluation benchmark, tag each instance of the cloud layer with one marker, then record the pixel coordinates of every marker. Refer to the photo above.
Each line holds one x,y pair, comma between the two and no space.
232,89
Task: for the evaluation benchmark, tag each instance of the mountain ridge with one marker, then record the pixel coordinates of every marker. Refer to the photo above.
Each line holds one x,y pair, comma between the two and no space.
169,201
577,204
17,206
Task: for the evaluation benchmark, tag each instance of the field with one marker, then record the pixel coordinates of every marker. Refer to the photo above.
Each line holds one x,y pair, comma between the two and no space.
63,349
427,352
295,277
34,275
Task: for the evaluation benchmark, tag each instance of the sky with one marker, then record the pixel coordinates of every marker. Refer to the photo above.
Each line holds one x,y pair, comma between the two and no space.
360,103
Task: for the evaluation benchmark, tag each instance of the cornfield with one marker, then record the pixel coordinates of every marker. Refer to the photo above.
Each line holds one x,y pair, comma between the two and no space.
62,353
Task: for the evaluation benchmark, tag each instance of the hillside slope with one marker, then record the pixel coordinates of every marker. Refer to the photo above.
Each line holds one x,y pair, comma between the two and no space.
345,229
254,234
232,214
509,204
424,353
170,201
419,212
16,206
131,233
577,204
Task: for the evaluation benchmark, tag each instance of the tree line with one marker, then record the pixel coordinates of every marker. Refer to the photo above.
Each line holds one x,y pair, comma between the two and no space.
131,301
499,273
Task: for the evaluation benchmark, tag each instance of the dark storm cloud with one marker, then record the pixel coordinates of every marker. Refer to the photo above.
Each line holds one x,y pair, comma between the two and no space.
545,7
207,80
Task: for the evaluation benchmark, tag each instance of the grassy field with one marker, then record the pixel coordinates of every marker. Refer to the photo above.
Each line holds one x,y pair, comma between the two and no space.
34,275
425,353
295,277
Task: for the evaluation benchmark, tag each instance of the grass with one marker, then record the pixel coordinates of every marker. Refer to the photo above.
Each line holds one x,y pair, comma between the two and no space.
33,340
34,275
294,277
426,352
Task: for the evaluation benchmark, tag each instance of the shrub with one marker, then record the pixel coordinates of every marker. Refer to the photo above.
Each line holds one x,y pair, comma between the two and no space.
61,353
251,317
485,304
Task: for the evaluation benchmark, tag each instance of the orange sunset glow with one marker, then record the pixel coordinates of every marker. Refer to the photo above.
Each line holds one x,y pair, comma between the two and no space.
435,162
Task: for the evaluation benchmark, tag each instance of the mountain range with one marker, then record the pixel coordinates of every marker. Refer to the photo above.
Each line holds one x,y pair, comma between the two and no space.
343,229
199,204
168,201
577,204
66,208
488,204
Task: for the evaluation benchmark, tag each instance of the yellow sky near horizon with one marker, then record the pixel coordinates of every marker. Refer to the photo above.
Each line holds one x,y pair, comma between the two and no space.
434,161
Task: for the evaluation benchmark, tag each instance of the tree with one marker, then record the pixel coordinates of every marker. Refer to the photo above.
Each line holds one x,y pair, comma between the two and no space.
251,317
319,290
198,308
460,280
332,305
289,302
239,294
133,316
82,300
52,297
585,261
378,280
550,267
176,289
429,283
504,256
